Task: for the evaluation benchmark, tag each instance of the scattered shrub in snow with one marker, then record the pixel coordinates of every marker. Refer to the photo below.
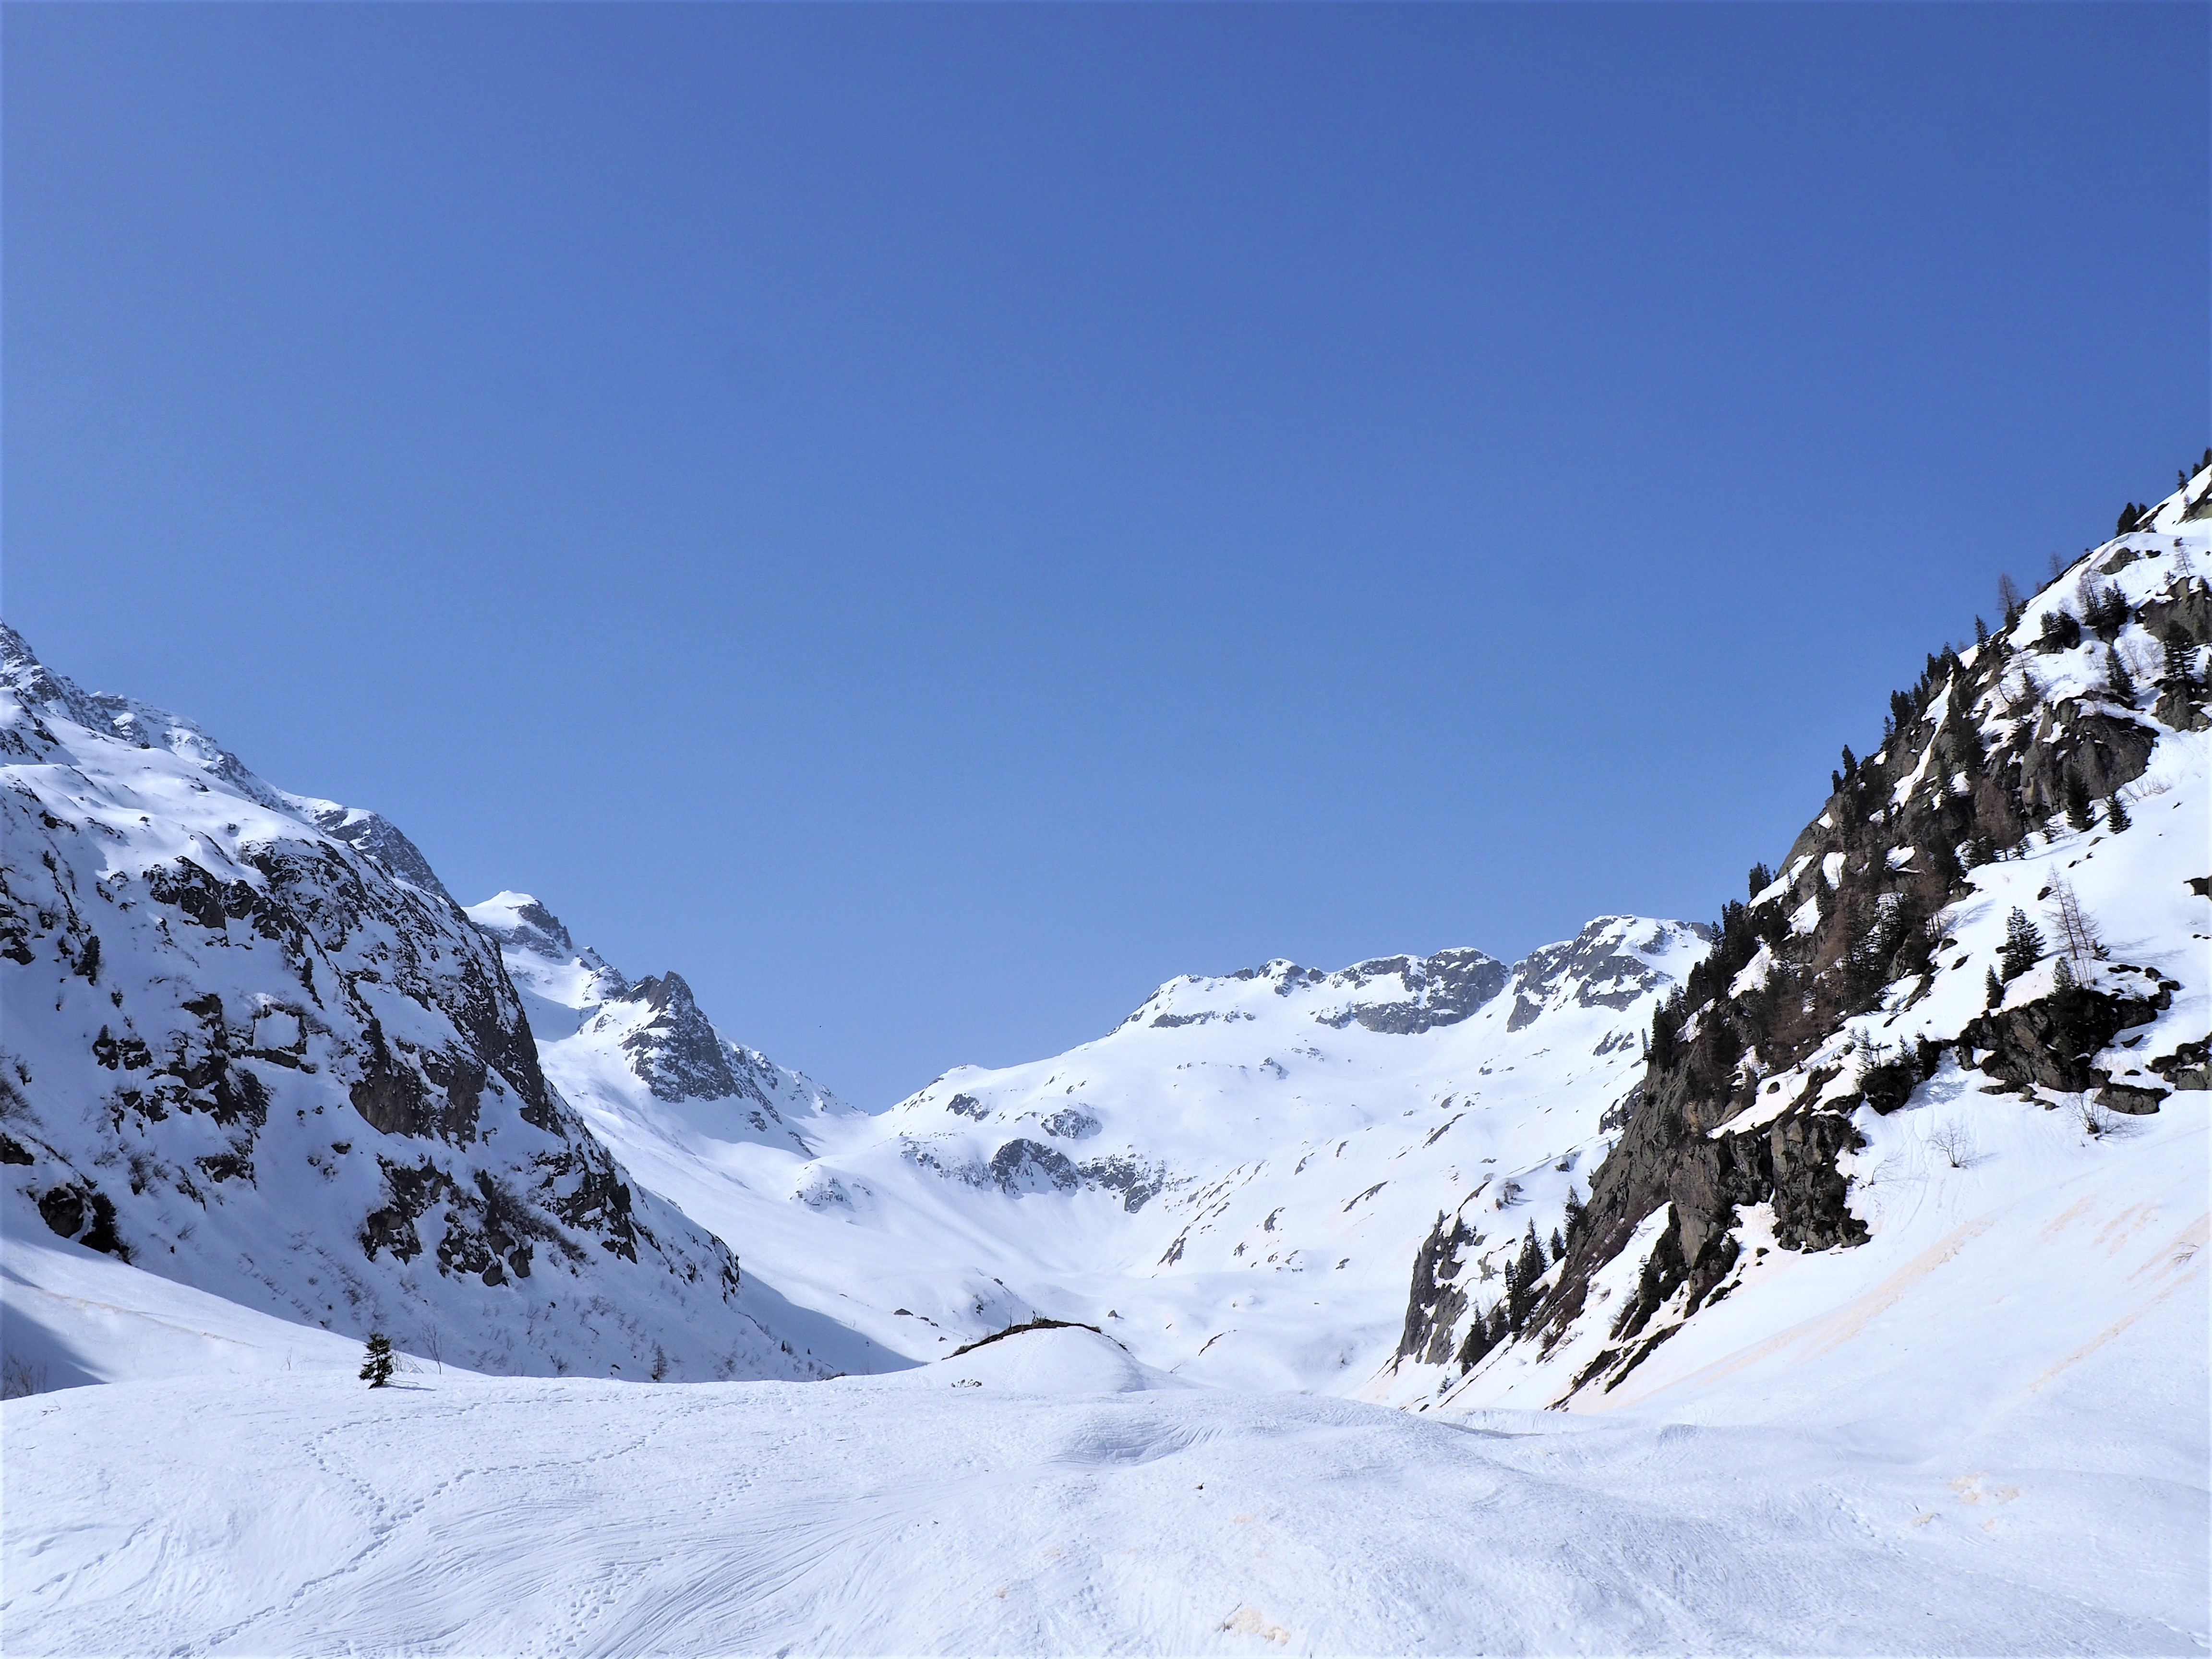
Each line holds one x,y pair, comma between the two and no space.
1954,1142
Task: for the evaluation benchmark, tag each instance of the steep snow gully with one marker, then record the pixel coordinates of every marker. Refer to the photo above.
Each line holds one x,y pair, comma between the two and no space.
1829,1279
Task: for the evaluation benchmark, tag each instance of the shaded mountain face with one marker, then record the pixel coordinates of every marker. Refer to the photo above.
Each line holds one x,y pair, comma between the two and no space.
2002,910
251,1045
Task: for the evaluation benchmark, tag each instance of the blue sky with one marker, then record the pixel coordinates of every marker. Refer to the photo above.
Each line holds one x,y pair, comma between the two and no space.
930,521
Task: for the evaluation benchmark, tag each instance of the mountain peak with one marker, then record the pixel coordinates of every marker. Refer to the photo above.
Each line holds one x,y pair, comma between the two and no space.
518,919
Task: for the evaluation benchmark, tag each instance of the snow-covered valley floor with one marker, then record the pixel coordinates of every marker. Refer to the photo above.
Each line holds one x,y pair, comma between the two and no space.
1048,1495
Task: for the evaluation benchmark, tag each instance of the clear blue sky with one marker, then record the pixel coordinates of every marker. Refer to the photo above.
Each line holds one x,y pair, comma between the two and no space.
930,521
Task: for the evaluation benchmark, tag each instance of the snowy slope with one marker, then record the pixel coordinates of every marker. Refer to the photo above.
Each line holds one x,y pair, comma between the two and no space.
252,1046
1916,1180
1045,1495
1234,1182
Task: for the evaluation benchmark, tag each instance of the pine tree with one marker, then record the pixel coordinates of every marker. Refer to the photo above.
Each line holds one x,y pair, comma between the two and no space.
2118,681
376,1365
2116,815
2106,610
2023,945
2180,672
2130,515
1575,1212
1981,632
1996,991
2075,789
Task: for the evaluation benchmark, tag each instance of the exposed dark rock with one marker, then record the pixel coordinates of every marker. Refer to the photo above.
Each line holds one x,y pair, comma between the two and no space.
1028,1166
1888,1086
1435,1302
86,1214
2052,1041
1040,1323
2126,1097
1137,1184
1443,990
2189,1067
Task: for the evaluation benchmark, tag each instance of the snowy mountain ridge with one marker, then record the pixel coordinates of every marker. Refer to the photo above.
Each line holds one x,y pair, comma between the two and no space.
251,1045
1233,1181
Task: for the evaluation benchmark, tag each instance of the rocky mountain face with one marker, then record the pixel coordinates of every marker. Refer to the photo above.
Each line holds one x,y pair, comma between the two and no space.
644,1050
2003,908
251,1045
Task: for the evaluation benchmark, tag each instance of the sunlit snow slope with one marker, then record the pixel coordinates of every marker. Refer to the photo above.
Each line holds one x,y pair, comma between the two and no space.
1233,1182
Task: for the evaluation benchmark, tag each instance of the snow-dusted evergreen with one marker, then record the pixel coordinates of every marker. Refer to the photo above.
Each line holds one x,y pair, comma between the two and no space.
251,1045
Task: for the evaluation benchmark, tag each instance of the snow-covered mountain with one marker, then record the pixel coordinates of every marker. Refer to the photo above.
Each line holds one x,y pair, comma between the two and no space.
1234,1182
1935,1105
252,1046
1872,1218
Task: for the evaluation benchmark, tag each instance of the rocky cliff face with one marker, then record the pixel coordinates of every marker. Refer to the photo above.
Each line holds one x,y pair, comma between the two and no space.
644,1052
252,1044
2056,769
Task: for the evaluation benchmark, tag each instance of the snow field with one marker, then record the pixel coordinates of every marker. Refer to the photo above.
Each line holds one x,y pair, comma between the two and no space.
1035,1497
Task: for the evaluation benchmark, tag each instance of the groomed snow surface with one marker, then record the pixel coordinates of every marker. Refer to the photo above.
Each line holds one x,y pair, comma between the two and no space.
1044,1495
1911,1474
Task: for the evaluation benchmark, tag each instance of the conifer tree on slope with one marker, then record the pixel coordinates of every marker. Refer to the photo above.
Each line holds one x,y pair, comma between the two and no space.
376,1364
2023,945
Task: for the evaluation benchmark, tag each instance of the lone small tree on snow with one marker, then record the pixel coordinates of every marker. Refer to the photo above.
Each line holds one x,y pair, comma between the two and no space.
376,1365
2116,815
2023,945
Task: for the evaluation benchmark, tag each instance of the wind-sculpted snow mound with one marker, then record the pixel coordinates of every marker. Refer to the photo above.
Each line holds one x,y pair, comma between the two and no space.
1070,1359
251,1045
